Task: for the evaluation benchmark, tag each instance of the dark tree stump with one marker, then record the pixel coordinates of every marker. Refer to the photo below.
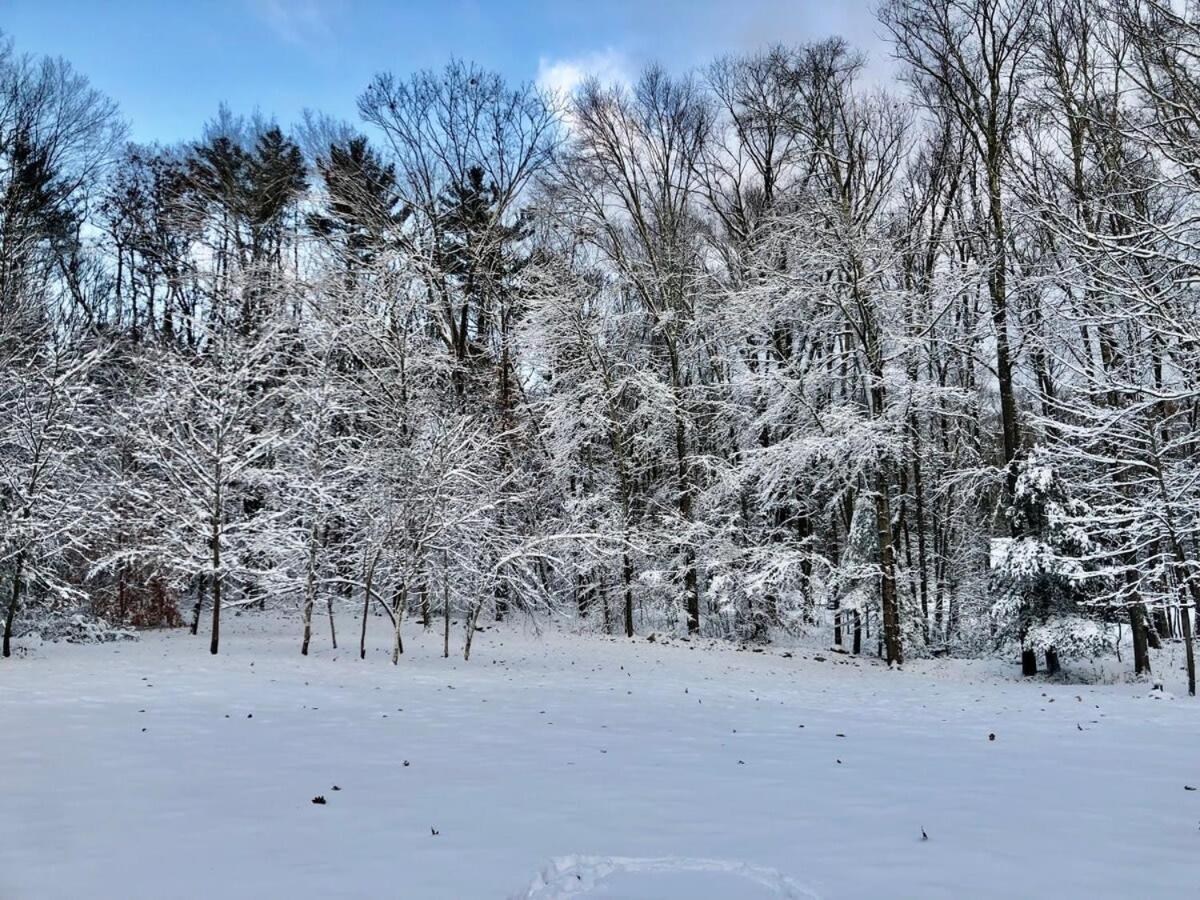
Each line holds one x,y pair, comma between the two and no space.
1052,667
1028,663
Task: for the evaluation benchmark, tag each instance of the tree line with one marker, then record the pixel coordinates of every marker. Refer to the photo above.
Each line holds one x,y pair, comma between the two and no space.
755,348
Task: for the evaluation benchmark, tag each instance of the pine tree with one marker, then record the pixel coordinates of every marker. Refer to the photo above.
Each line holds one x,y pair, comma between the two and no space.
361,203
1043,578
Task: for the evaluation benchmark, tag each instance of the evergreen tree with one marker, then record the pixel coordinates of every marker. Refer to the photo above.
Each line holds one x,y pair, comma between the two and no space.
361,203
1043,578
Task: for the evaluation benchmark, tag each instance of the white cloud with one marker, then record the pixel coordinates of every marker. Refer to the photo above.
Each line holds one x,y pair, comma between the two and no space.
563,76
301,23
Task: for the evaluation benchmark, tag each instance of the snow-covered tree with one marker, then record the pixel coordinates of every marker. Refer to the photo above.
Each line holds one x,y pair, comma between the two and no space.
49,504
1044,578
204,440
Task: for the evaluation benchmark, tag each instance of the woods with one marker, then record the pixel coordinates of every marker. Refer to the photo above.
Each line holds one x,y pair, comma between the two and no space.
761,348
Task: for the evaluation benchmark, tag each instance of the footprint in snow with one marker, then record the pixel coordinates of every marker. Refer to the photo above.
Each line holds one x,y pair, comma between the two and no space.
571,876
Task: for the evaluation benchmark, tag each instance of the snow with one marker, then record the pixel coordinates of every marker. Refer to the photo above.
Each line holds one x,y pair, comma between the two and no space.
627,877
572,766
998,548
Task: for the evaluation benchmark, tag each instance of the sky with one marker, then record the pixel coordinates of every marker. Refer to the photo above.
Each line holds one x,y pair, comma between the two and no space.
170,63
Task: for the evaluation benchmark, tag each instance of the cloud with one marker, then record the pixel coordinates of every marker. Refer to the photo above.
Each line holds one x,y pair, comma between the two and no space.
562,76
301,23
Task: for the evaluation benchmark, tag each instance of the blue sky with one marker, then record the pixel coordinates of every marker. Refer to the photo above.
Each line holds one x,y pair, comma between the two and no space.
169,63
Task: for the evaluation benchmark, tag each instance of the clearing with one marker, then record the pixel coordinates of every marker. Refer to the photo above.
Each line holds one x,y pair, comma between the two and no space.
568,766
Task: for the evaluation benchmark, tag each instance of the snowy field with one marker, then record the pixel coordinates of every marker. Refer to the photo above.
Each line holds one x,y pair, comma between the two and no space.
566,766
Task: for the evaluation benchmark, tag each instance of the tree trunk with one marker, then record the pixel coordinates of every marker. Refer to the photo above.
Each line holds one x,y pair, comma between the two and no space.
216,589
1153,638
691,590
998,288
1028,663
332,628
14,602
922,566
425,614
1162,625
1185,621
1052,667
366,611
122,592
399,601
310,589
887,566
446,616
362,641
399,604
857,633
472,618
1141,652
199,604
691,584
627,581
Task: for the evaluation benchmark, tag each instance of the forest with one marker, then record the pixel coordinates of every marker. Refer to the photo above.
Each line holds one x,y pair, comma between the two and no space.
757,350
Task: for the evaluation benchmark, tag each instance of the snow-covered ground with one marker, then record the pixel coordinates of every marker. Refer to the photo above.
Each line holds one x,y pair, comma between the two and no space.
567,766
